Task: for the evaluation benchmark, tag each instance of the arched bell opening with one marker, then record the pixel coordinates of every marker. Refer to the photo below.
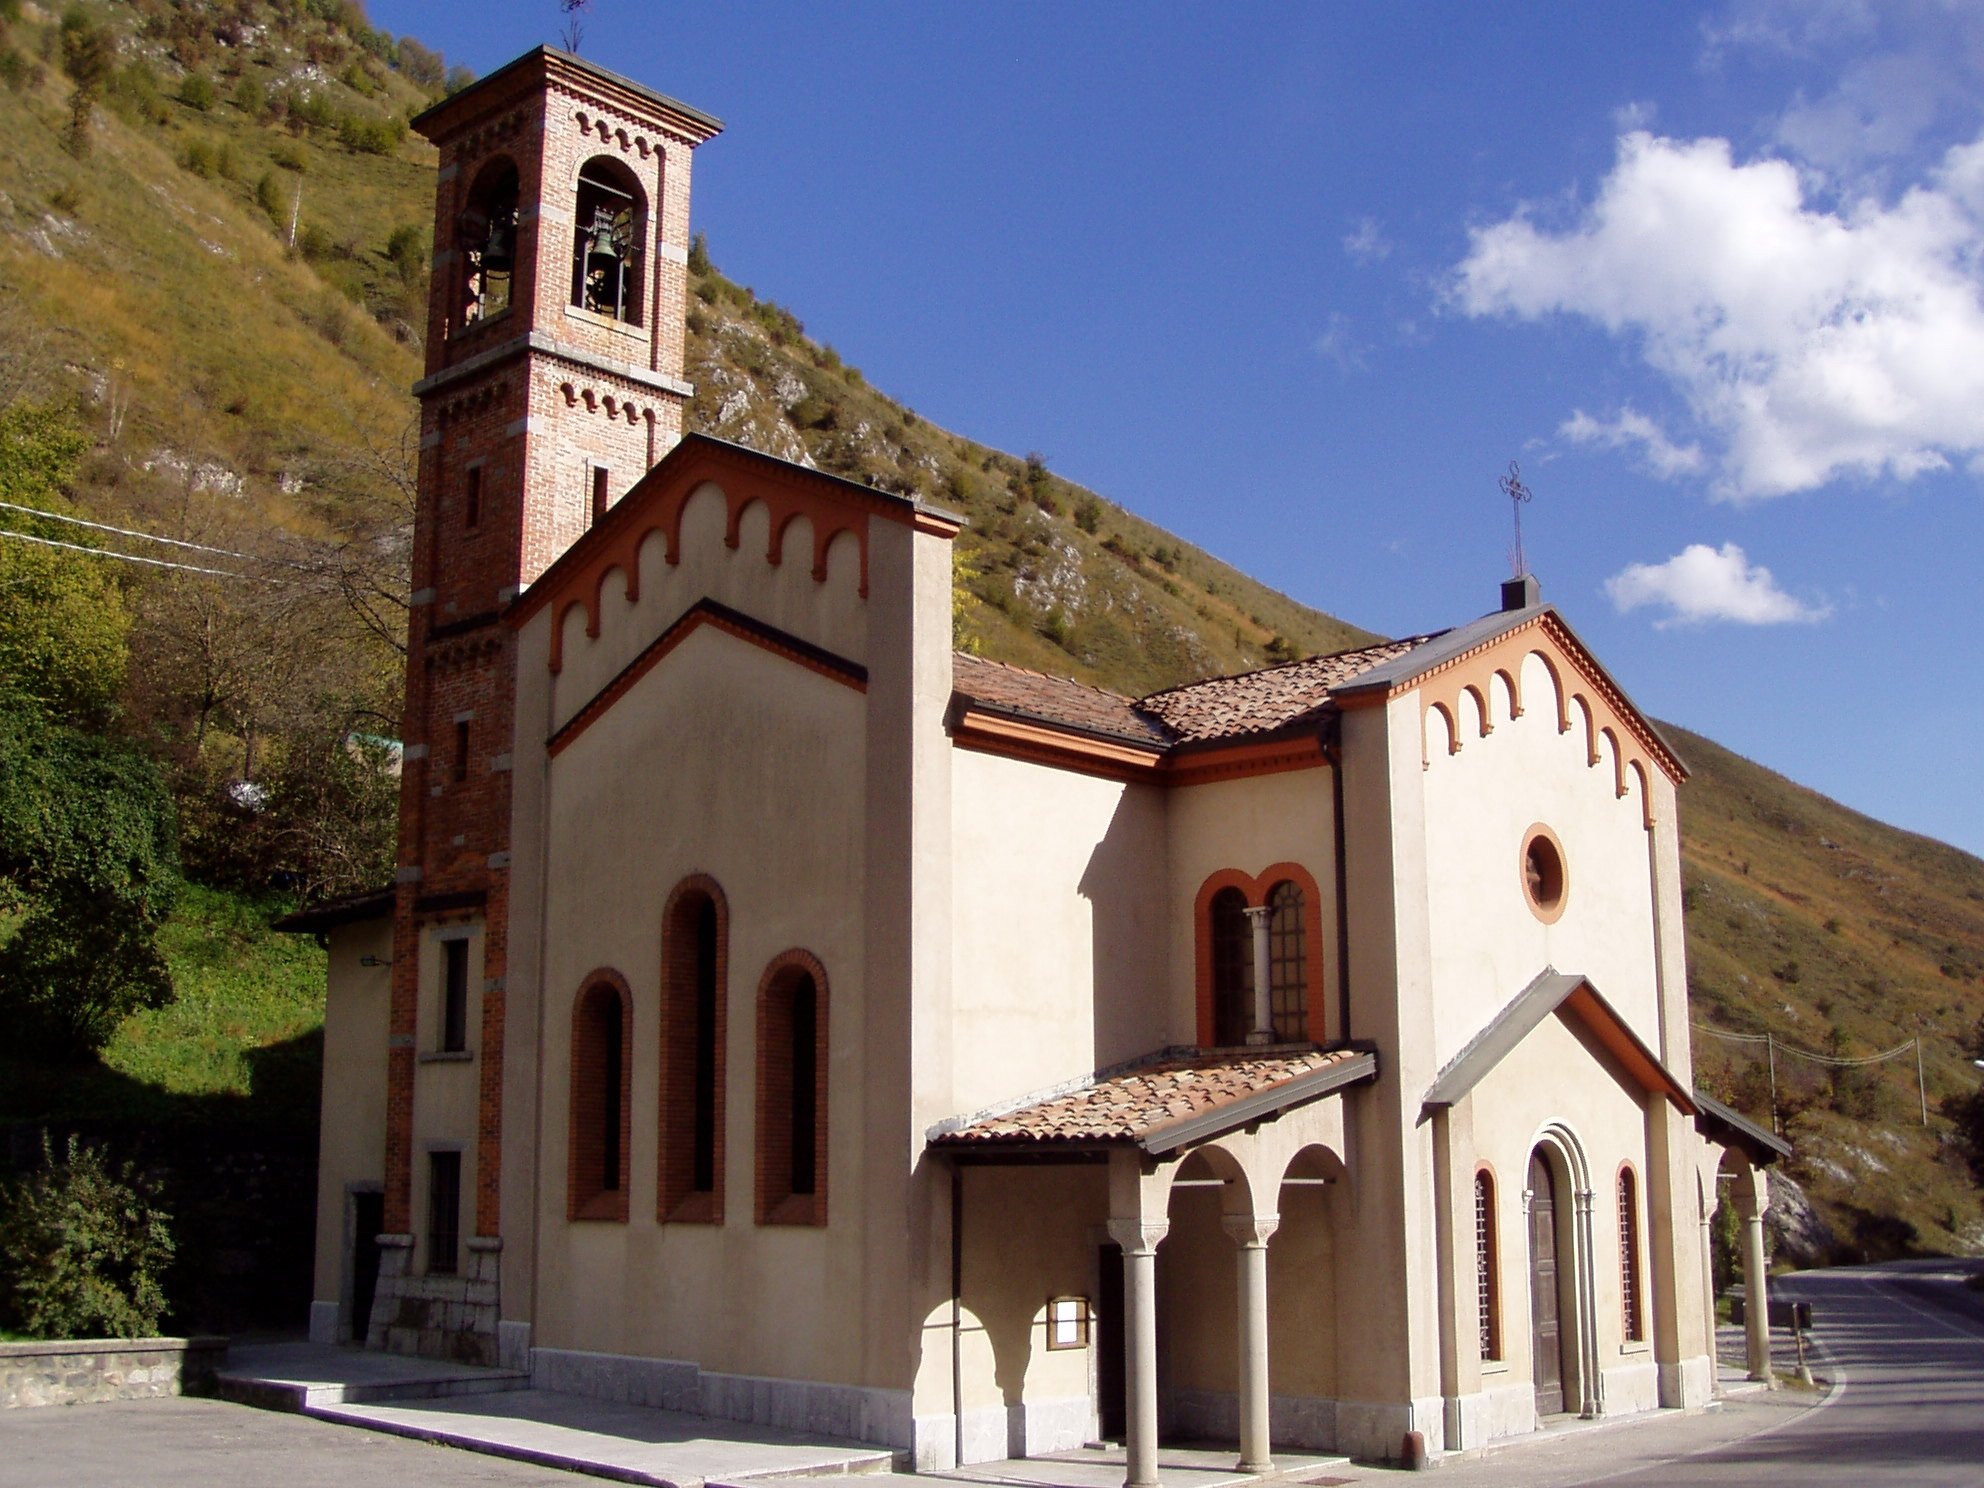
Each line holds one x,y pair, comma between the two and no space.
486,235
609,227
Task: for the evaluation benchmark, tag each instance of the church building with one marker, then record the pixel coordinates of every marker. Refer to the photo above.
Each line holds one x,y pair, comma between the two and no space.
779,1015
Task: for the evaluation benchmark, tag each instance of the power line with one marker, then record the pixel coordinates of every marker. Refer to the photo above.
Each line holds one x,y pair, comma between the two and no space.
49,542
1772,1044
128,532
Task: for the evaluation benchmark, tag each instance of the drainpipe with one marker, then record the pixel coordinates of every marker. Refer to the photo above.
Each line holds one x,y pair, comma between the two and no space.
1333,752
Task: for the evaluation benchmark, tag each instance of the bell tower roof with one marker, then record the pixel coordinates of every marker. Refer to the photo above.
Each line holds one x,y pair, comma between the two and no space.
536,71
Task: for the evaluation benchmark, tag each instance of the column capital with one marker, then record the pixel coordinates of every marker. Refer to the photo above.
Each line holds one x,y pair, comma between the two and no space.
1250,1231
1139,1236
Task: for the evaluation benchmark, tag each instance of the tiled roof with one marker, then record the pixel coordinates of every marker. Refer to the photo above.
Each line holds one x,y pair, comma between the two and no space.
1260,702
1198,712
1134,1104
1058,700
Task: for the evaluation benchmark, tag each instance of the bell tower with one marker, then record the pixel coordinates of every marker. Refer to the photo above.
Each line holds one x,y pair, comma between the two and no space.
555,330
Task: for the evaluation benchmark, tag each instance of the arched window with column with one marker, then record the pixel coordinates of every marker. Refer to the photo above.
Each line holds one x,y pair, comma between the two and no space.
599,1118
694,958
1295,953
792,1091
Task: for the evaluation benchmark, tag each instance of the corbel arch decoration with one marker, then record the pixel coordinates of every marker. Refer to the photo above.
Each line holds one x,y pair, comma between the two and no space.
1294,936
1584,697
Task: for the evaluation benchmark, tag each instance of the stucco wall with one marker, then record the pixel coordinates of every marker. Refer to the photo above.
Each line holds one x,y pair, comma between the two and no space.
1247,824
1060,926
351,1143
1486,944
729,761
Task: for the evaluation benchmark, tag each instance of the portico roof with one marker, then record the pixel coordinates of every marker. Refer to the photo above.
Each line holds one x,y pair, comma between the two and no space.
1554,991
1733,1129
1162,1105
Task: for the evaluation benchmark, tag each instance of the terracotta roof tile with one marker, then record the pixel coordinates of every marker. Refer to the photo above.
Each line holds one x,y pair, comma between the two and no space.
1058,700
1197,712
1260,702
1131,1104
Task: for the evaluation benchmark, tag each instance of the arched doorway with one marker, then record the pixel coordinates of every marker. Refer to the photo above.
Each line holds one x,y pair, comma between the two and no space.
1546,1330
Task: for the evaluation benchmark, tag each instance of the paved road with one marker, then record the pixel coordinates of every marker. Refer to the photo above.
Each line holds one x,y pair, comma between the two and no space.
1905,1351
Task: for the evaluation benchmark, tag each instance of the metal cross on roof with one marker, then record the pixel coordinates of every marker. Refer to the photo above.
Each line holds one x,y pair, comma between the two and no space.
1518,493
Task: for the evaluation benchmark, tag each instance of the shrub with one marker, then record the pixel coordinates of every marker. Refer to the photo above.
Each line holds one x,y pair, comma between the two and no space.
197,157
269,196
16,71
371,136
250,97
289,157
699,255
198,92
407,248
1088,514
82,1249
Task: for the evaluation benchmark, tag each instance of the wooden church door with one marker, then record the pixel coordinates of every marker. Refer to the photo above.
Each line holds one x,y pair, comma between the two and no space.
1546,1349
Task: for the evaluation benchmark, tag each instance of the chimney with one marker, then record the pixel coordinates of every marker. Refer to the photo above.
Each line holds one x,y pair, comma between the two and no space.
1521,593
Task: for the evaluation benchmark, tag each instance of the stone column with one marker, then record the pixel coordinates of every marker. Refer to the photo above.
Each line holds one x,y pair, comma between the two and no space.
1250,1232
1139,1240
1756,1284
1263,1032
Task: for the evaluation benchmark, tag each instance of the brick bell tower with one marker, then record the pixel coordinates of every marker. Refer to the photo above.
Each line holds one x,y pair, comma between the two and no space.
555,332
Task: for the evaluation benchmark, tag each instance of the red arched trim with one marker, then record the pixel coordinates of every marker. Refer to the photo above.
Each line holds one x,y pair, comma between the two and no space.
592,1192
776,1203
678,1198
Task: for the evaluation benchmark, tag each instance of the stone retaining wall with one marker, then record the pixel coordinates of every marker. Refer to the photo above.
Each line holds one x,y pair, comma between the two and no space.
71,1371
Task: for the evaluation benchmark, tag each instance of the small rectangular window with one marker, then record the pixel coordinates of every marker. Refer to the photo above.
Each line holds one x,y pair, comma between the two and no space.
472,498
1067,1322
461,750
444,1213
599,478
454,996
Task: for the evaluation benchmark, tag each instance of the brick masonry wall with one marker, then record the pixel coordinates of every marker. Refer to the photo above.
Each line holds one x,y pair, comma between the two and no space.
523,422
79,1371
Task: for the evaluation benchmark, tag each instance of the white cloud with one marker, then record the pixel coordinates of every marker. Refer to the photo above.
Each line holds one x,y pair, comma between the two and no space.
1701,583
1814,343
1638,114
1337,344
1367,244
1663,456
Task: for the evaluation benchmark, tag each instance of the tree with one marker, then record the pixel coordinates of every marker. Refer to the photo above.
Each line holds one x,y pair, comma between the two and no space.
82,1249
89,56
89,870
63,620
1967,1110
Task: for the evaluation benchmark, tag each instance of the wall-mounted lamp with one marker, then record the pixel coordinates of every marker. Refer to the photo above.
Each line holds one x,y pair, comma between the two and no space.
375,960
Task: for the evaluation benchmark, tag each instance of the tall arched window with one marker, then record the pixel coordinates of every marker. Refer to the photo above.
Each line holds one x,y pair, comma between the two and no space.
1288,967
607,229
601,1056
1232,968
693,935
1633,1313
1487,1266
487,237
792,1092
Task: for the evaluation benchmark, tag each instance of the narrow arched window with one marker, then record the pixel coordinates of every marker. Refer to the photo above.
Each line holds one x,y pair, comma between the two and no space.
1633,1313
694,929
1487,1269
487,237
607,230
1232,968
792,1092
1288,962
597,1181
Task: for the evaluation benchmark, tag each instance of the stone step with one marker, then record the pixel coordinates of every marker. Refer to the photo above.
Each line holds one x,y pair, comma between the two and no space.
300,1395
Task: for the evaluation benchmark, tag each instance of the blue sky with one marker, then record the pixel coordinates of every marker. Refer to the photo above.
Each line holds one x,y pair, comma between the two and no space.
1299,281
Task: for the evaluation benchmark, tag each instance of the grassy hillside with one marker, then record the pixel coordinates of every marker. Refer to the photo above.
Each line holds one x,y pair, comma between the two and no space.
233,376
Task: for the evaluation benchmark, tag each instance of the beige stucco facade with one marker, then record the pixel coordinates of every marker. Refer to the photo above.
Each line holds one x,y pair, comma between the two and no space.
800,930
